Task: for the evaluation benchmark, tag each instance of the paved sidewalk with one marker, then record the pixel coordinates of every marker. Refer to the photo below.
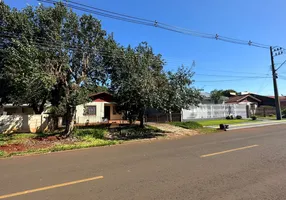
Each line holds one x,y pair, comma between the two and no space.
253,124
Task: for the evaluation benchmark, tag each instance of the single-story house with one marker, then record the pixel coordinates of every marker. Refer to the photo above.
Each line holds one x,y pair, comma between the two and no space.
266,104
246,99
282,100
10,109
102,108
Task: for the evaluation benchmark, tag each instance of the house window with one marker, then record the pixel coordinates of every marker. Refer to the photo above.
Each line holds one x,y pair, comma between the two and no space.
90,110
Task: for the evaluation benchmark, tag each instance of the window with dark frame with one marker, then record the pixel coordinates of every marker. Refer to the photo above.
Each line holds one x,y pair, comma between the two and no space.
90,110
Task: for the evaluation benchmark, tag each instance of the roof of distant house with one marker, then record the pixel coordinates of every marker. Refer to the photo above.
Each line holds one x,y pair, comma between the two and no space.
282,98
239,98
101,97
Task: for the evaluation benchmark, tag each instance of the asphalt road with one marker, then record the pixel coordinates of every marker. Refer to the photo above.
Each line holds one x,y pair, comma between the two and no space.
239,164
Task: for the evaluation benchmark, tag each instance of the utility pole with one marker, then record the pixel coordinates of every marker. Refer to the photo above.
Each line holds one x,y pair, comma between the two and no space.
274,74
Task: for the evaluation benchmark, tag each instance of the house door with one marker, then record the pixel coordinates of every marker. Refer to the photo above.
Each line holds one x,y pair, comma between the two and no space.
107,112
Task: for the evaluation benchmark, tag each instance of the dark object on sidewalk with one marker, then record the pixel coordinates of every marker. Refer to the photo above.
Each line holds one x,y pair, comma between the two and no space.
223,126
253,117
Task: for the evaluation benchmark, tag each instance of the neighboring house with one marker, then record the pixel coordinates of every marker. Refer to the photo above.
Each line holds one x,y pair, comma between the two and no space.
102,108
282,100
10,109
266,104
247,99
206,98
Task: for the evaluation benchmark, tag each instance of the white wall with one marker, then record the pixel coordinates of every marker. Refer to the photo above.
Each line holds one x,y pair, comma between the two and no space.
213,111
23,123
82,119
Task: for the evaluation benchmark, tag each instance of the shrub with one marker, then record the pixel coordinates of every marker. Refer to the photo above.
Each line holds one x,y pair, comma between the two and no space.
98,133
229,117
253,117
284,112
238,117
2,153
188,125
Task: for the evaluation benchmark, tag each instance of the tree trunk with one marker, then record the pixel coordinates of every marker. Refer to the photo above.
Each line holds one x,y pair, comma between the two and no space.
141,118
38,109
170,116
69,121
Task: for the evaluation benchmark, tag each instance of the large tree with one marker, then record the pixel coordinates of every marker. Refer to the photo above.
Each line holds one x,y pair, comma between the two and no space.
24,62
178,93
135,77
51,54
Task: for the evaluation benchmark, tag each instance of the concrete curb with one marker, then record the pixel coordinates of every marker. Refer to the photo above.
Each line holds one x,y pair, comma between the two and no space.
252,125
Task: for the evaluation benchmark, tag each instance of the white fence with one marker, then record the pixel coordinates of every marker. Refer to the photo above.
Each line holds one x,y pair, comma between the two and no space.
212,111
23,123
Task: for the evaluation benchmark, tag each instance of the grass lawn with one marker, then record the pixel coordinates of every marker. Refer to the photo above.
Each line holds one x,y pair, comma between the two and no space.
214,122
29,143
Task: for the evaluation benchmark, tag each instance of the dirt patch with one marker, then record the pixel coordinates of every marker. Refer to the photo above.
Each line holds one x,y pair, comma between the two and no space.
49,138
35,143
13,148
174,131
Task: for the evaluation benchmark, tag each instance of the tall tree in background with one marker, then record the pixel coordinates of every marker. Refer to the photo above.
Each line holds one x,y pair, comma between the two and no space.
178,93
227,93
216,96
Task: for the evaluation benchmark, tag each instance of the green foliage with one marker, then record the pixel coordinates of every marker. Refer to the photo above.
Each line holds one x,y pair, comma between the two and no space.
253,117
284,112
15,138
80,145
136,132
187,125
177,92
229,117
52,55
238,117
216,96
135,79
91,133
2,153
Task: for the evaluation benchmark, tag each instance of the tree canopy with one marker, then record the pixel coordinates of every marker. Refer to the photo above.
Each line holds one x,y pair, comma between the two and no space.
51,55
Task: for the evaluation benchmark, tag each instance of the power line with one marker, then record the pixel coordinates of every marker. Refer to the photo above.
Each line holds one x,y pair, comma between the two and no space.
199,74
154,23
56,45
226,80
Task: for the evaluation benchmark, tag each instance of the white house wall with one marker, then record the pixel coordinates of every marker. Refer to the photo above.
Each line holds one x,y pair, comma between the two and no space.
82,119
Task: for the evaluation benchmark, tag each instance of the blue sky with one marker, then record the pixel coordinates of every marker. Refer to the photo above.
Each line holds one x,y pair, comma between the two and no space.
261,21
